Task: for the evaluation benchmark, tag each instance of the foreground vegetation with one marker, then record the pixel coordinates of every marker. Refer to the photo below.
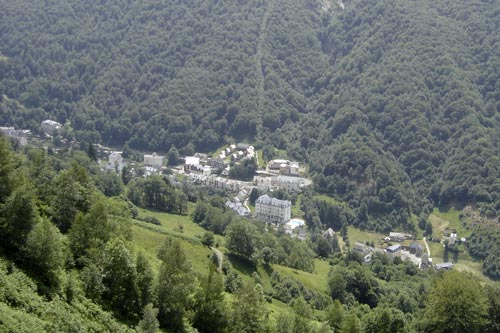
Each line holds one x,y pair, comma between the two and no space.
394,106
73,259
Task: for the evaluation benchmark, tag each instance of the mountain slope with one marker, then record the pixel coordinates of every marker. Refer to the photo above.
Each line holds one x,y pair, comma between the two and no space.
393,104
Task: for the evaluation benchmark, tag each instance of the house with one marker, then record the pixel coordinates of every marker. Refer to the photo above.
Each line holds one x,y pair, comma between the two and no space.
364,250
276,164
115,161
242,146
263,183
393,249
154,161
291,184
272,210
452,239
445,266
329,233
49,126
426,261
416,249
294,168
238,208
192,160
397,237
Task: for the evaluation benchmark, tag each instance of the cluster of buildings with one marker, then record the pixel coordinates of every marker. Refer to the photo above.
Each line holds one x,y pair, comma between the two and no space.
238,152
288,183
115,162
238,207
201,164
20,136
216,182
283,167
397,237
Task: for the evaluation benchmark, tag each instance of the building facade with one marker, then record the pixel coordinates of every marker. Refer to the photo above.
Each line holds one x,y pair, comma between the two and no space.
49,126
154,161
272,210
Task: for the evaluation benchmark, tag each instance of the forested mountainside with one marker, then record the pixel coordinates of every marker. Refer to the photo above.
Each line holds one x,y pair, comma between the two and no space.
393,104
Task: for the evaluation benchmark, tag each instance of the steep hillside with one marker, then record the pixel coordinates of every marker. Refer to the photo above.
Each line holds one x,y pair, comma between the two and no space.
393,104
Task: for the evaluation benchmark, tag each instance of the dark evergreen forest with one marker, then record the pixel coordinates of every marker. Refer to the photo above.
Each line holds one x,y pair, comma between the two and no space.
394,105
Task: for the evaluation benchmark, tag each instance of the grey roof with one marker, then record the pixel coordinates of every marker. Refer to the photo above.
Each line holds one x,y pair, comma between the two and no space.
267,200
444,265
394,248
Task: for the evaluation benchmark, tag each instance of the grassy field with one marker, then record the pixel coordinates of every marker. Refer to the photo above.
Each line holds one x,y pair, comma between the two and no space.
148,238
296,211
260,159
356,235
447,219
316,280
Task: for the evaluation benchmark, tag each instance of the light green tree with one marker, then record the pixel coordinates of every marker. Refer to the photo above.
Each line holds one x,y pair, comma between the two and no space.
210,309
249,314
120,278
149,323
175,285
145,279
456,303
43,252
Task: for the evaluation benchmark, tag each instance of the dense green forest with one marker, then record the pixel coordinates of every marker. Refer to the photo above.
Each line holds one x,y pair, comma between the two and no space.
394,105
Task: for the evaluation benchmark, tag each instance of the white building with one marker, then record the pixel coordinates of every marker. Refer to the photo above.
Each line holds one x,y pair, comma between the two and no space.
276,164
115,161
192,160
154,161
294,168
291,184
272,210
452,239
49,126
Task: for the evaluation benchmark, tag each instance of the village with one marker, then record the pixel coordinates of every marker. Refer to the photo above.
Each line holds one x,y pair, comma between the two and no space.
213,172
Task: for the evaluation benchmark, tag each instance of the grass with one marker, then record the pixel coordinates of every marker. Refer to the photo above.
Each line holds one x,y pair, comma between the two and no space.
260,159
356,235
442,220
450,218
296,211
149,237
316,280
150,240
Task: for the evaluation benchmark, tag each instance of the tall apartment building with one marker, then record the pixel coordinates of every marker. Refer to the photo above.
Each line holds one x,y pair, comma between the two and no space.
272,210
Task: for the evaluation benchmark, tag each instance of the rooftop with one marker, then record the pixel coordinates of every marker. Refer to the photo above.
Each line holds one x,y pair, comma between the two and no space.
267,200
